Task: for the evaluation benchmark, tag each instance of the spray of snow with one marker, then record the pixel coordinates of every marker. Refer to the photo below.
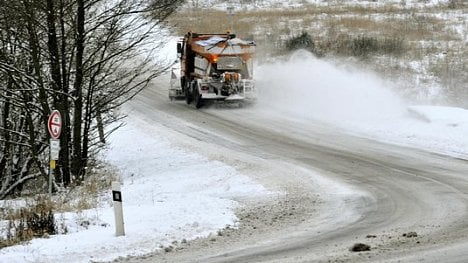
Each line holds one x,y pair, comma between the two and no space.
306,88
311,88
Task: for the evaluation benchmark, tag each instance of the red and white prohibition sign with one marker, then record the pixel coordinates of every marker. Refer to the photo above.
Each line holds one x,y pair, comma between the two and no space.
55,124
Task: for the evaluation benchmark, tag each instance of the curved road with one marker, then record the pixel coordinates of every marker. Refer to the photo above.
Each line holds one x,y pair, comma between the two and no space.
407,204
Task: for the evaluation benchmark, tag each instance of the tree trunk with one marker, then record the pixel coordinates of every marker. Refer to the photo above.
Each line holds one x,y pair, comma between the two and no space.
6,136
100,126
36,59
59,97
77,162
65,86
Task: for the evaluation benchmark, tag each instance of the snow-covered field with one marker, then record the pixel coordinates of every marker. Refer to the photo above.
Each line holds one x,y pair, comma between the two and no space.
298,3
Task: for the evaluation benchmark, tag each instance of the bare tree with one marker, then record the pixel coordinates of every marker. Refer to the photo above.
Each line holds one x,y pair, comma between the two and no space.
82,57
21,88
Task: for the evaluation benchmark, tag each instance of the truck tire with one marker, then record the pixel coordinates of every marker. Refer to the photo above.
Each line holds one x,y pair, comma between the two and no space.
197,98
188,95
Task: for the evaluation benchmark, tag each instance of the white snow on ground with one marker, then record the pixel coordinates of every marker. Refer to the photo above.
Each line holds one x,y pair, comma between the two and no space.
168,194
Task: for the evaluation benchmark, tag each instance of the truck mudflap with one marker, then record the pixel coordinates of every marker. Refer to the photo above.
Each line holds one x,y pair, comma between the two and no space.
175,90
176,94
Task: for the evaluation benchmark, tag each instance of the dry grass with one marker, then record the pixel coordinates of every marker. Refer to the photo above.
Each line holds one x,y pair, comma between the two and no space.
389,20
23,224
88,194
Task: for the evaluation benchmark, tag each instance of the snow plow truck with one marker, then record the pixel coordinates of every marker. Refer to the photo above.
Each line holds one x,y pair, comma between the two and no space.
213,67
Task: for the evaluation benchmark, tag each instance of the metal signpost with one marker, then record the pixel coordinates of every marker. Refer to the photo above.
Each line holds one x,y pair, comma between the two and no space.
54,125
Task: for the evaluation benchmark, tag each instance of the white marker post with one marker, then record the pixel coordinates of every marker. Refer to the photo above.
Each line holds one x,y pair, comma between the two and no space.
118,212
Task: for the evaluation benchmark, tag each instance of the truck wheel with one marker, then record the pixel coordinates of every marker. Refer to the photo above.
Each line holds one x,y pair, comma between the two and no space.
197,99
188,96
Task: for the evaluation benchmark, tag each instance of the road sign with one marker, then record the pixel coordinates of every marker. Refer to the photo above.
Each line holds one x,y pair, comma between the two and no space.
54,149
55,124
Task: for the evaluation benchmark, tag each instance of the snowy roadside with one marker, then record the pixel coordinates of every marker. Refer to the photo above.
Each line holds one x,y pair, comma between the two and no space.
168,195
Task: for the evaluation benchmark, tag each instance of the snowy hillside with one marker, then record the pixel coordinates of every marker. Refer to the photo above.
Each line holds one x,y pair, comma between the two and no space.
252,4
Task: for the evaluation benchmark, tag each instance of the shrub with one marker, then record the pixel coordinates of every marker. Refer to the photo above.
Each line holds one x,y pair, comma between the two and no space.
363,46
25,223
303,41
393,46
453,4
41,222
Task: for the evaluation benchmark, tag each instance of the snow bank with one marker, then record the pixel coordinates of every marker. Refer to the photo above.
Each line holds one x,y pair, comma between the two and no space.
447,116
